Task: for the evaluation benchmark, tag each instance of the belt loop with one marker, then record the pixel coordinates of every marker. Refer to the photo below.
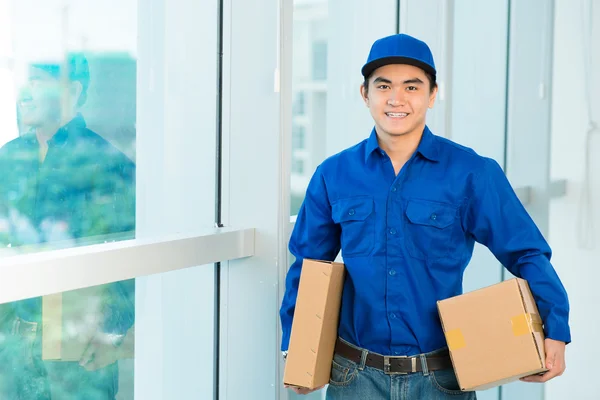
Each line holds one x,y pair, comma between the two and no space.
363,360
424,366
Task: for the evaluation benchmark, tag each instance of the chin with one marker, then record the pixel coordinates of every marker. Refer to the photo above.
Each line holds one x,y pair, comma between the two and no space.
397,133
33,123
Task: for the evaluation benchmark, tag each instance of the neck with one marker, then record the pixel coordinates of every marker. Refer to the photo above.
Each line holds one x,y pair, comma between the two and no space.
45,132
400,148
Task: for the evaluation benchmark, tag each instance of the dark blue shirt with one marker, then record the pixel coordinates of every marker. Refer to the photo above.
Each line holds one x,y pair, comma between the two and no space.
85,185
407,239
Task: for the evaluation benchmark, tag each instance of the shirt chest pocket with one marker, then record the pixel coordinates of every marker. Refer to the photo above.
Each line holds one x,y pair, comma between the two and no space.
355,215
431,230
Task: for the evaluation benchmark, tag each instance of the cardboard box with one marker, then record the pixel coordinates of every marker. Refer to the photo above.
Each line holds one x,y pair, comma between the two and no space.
71,319
315,326
494,335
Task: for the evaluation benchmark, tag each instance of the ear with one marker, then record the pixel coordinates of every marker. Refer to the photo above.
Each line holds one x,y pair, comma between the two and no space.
433,96
364,95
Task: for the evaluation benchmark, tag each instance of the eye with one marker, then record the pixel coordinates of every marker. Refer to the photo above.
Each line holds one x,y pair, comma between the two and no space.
411,88
383,87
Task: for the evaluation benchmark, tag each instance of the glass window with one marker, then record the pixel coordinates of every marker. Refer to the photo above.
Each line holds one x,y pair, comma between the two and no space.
319,57
329,50
83,344
298,137
297,166
310,92
70,119
94,111
68,123
298,108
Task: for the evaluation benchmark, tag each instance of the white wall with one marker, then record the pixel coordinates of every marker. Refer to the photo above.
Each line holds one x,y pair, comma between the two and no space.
578,267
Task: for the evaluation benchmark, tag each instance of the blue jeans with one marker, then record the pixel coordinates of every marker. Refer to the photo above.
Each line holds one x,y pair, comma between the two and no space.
351,381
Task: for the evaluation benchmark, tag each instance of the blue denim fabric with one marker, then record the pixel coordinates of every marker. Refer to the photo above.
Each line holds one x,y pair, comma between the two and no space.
352,381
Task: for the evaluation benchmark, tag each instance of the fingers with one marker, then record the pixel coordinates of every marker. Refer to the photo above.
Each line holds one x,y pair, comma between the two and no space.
540,378
301,390
88,355
557,370
550,360
555,362
92,366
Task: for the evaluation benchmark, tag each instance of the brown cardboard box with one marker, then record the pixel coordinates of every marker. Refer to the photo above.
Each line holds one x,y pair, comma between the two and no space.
315,326
494,335
70,320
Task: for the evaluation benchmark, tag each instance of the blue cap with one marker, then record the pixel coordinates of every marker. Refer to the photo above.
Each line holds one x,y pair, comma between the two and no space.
399,49
75,67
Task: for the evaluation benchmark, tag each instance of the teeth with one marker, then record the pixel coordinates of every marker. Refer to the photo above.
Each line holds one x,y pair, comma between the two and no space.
397,114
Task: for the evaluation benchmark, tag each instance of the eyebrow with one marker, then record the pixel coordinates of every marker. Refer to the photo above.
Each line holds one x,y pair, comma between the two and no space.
414,81
380,79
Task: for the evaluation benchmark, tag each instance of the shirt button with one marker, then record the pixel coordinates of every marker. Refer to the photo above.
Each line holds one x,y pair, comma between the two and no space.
392,315
351,212
392,231
394,188
433,217
396,352
392,272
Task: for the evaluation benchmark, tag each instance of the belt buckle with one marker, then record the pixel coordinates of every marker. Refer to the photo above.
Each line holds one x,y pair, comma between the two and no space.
387,368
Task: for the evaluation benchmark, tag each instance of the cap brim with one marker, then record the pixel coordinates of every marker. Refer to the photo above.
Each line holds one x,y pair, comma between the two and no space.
368,68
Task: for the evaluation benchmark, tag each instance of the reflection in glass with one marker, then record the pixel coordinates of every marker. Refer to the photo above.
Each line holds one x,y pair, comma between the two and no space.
68,179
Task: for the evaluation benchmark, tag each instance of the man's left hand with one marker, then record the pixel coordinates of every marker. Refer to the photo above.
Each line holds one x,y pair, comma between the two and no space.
555,362
101,352
301,390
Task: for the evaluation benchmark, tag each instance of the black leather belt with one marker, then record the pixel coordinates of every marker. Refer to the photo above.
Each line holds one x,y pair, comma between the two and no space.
393,364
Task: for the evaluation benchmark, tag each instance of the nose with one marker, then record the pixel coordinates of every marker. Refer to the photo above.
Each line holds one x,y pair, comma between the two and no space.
25,93
396,98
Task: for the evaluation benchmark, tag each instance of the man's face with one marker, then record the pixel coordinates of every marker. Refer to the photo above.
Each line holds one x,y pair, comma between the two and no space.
40,99
398,97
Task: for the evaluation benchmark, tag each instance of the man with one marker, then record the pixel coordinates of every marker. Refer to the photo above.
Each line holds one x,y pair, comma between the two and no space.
61,182
406,207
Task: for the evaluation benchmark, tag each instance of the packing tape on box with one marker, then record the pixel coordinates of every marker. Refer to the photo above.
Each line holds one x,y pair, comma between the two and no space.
455,340
526,323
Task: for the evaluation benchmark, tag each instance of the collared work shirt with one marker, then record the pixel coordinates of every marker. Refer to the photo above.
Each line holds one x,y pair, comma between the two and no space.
84,187
406,240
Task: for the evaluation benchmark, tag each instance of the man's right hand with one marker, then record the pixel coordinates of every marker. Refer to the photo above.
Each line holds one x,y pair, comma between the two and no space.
301,390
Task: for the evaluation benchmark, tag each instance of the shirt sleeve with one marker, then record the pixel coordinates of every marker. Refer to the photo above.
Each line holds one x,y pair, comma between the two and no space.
497,219
119,314
120,302
315,236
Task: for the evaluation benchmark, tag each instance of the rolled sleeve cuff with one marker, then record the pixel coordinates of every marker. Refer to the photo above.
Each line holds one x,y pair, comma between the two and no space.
285,339
560,332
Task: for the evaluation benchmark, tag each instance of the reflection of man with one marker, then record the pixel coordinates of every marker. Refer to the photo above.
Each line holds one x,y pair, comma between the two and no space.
62,181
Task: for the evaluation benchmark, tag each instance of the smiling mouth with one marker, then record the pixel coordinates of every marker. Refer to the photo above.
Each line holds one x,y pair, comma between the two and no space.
26,104
396,115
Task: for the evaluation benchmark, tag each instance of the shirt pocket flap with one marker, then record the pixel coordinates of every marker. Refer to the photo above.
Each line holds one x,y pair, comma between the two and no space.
422,212
352,209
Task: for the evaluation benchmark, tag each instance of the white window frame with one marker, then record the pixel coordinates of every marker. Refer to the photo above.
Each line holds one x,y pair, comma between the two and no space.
63,270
